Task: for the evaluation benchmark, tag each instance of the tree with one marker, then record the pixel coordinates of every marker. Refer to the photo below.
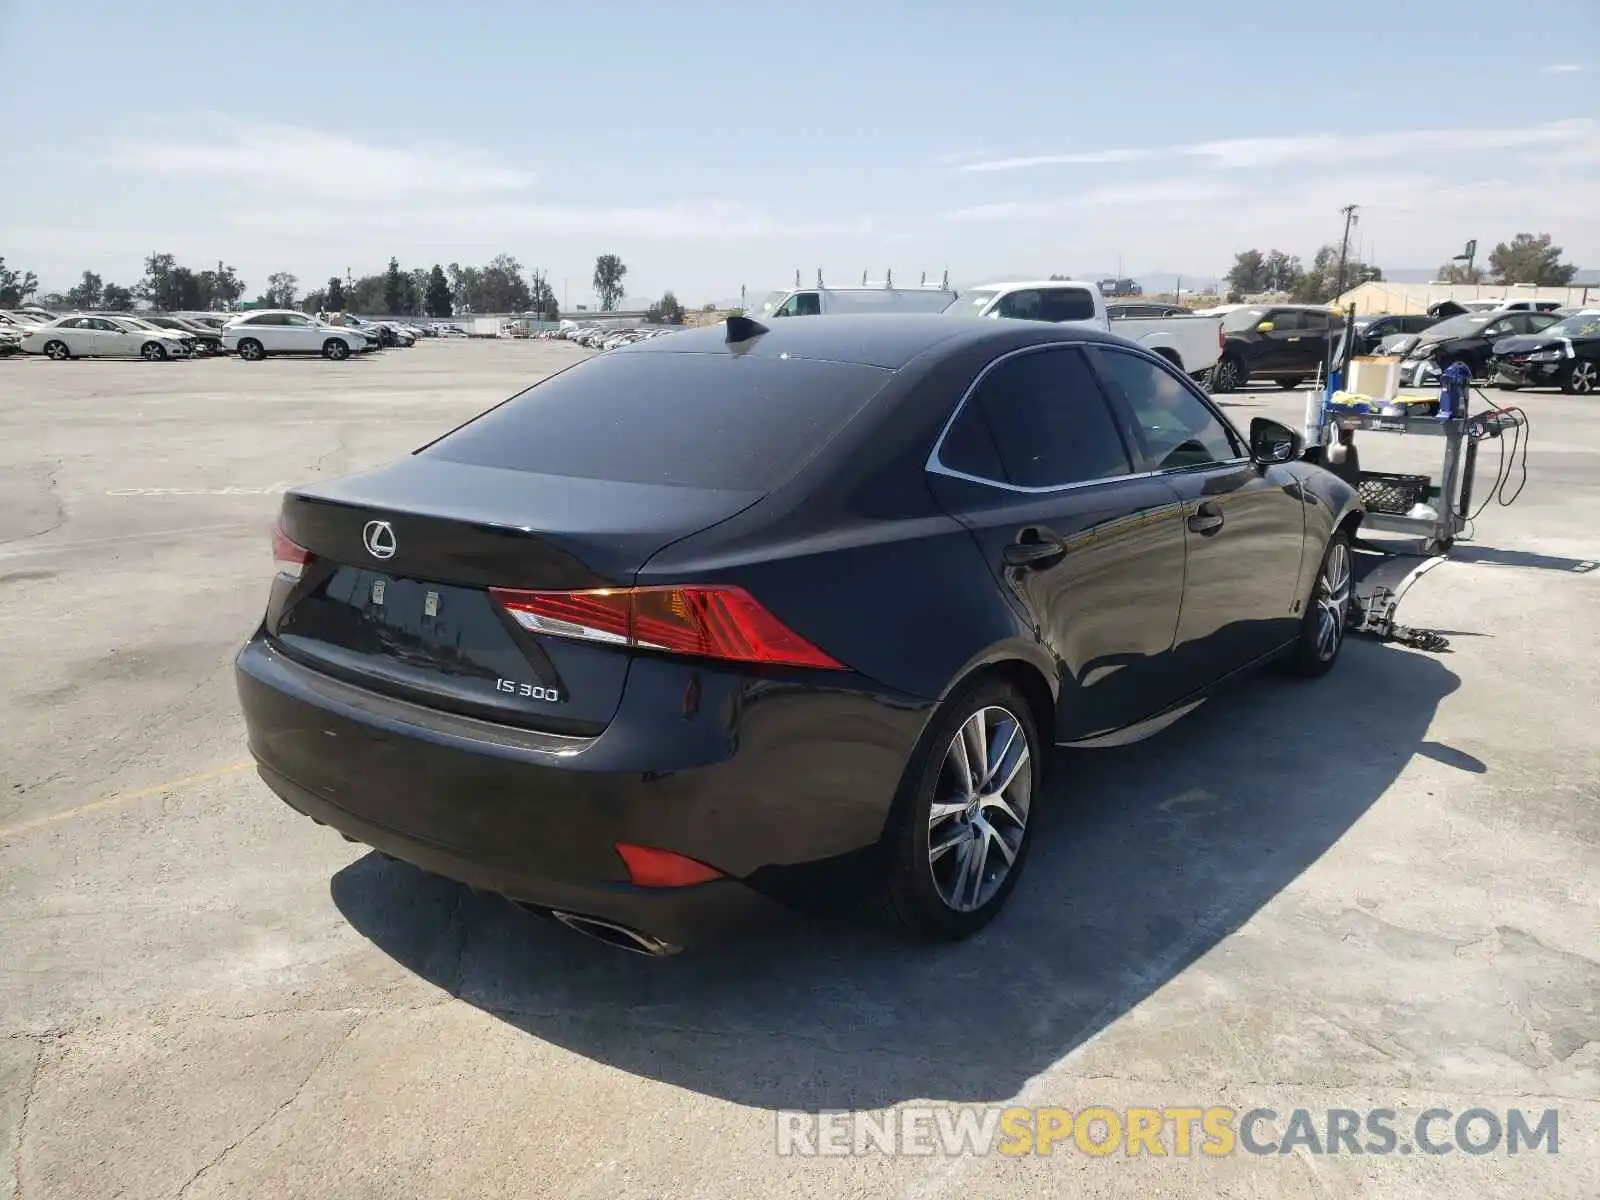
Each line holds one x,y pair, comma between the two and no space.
315,302
282,288
87,293
417,291
708,306
217,289
1454,272
665,311
16,286
466,287
437,293
542,297
155,289
1530,259
608,276
1249,274
335,296
365,295
116,298
1320,282
503,289
394,289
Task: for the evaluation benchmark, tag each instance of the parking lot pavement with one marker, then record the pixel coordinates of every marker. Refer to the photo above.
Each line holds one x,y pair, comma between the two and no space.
1379,890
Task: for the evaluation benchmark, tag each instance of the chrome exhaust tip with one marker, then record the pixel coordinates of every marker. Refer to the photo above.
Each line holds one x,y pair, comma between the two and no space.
620,936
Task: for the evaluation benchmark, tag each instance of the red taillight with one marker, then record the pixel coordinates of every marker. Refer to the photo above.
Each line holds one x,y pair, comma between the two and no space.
708,622
649,867
289,557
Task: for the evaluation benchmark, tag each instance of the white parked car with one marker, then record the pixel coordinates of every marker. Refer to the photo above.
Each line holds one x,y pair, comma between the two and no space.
19,323
104,337
255,335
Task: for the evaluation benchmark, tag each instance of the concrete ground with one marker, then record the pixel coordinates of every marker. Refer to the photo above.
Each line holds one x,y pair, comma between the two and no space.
1378,890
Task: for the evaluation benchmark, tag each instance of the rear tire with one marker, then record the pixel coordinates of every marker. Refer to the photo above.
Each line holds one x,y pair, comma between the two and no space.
1327,616
251,350
336,348
1228,375
1582,378
57,351
959,832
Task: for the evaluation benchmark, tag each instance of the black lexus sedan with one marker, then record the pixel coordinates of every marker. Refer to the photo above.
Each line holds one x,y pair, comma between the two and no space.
700,625
1564,355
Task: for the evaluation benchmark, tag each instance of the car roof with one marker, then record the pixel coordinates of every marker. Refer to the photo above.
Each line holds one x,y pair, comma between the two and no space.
889,340
1008,285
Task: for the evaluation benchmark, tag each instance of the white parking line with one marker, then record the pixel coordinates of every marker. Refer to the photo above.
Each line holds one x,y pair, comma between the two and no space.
24,550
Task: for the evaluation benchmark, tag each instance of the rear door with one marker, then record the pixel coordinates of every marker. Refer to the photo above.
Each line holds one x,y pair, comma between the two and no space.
1244,525
1033,464
78,335
1312,349
1278,352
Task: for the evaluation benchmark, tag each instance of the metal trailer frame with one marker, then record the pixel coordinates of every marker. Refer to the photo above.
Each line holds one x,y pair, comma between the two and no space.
1391,569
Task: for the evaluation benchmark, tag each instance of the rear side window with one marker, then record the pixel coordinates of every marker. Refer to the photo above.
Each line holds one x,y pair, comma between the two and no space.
1048,304
1042,420
687,420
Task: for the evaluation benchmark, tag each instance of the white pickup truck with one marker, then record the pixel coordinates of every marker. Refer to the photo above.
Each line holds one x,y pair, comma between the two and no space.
1191,343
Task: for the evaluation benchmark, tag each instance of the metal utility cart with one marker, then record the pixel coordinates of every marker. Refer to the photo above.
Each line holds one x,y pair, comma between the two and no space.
1432,516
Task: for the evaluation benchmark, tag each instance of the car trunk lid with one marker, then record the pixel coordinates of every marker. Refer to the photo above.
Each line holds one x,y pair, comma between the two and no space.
395,594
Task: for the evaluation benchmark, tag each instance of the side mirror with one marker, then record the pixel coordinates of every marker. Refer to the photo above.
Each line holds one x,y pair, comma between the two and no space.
1265,327
1273,442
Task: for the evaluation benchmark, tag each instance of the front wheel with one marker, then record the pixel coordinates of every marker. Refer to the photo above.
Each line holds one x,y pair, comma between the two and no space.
57,351
251,350
1327,615
153,352
1228,375
1581,378
336,348
960,829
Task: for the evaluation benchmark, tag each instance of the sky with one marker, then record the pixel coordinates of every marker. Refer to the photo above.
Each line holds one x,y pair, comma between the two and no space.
716,147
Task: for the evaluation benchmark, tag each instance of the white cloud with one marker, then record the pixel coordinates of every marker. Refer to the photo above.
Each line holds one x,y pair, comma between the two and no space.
1564,69
1581,135
312,162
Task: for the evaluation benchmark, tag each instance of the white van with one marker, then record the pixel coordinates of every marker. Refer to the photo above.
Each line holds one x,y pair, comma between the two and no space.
815,301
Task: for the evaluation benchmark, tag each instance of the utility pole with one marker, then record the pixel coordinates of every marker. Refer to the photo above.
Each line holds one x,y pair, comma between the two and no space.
1349,211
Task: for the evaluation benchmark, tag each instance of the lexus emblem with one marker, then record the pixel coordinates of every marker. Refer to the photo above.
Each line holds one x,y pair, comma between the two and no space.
379,539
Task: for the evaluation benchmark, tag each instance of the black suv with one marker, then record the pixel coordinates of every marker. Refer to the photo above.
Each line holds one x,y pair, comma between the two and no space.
1286,343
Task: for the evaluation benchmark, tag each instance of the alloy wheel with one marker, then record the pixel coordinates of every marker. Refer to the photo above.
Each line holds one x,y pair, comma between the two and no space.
1585,375
979,813
1333,600
58,351
153,352
1225,376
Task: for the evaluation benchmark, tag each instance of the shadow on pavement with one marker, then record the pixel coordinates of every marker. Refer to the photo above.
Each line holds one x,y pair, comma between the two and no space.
1151,855
1521,558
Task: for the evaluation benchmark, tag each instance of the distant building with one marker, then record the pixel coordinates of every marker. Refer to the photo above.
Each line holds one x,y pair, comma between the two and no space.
1402,298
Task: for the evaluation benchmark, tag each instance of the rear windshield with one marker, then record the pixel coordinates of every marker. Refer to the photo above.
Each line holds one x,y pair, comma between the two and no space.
687,420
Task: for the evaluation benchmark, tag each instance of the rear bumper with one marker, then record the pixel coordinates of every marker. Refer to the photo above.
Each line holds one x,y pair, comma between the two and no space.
774,786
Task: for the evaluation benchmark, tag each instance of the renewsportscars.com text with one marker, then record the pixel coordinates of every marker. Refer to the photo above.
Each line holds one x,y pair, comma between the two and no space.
1178,1132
